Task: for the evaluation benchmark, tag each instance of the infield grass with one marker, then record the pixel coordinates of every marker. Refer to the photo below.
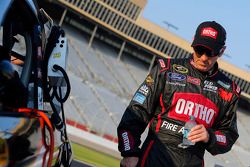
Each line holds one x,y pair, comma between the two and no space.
93,157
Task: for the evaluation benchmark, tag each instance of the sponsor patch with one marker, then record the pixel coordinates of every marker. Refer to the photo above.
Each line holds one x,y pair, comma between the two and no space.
220,138
238,89
140,98
170,126
162,63
193,80
225,85
186,104
149,80
209,32
180,69
227,96
209,86
128,141
175,83
144,90
176,76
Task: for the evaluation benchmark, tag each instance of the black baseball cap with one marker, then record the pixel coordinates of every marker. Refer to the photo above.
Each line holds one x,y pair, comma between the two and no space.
211,35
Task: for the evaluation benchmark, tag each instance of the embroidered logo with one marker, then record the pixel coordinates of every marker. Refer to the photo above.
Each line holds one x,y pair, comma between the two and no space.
144,90
209,86
185,104
225,85
176,76
180,69
209,32
220,138
162,63
127,140
193,80
238,89
140,98
149,80
227,96
175,83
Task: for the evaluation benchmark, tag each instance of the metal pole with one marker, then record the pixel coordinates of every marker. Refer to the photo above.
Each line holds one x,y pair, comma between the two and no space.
121,50
63,16
152,63
92,36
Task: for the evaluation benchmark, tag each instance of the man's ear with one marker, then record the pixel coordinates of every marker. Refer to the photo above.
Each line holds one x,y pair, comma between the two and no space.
222,51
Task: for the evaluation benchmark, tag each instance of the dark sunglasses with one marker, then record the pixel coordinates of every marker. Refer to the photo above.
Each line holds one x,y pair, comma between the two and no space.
202,50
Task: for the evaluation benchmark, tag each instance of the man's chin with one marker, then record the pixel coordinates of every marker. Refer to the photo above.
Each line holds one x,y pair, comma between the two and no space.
202,68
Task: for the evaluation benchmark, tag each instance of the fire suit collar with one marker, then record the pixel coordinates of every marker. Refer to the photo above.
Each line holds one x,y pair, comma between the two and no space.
211,73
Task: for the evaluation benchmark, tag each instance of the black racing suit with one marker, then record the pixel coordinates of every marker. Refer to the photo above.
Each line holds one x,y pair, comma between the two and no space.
171,92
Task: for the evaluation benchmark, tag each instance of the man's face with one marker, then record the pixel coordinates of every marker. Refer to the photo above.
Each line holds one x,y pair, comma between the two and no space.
203,58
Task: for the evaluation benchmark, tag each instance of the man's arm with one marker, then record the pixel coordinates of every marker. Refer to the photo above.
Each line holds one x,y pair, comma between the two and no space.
222,138
139,112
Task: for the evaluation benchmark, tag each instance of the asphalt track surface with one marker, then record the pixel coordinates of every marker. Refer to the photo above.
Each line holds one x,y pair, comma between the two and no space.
76,163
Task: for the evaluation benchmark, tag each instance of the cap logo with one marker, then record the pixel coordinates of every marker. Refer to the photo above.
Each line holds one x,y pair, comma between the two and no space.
209,32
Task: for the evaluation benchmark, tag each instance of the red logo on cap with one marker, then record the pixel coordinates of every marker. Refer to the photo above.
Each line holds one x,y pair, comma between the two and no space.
209,32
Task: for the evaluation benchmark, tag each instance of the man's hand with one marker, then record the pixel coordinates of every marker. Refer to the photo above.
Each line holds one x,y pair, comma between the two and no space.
129,161
198,133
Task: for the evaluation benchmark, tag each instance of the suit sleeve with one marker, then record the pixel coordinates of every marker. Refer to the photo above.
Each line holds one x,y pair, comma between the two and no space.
222,139
140,111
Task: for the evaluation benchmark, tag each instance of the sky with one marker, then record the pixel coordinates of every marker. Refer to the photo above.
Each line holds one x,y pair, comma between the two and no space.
186,15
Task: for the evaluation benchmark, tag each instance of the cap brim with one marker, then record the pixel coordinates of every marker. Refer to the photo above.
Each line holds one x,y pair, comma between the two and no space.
207,43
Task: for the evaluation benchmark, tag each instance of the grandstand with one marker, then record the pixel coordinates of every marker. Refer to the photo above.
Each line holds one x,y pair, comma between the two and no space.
110,21
107,63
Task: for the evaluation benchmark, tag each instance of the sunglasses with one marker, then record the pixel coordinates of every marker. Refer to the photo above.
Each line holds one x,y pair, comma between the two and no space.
202,50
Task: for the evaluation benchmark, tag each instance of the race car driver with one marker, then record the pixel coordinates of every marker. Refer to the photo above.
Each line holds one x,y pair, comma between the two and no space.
174,90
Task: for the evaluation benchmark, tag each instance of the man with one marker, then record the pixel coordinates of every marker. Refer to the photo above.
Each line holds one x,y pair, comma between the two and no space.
174,90
13,94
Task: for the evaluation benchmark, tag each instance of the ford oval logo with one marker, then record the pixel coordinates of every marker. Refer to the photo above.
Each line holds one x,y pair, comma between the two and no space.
176,76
